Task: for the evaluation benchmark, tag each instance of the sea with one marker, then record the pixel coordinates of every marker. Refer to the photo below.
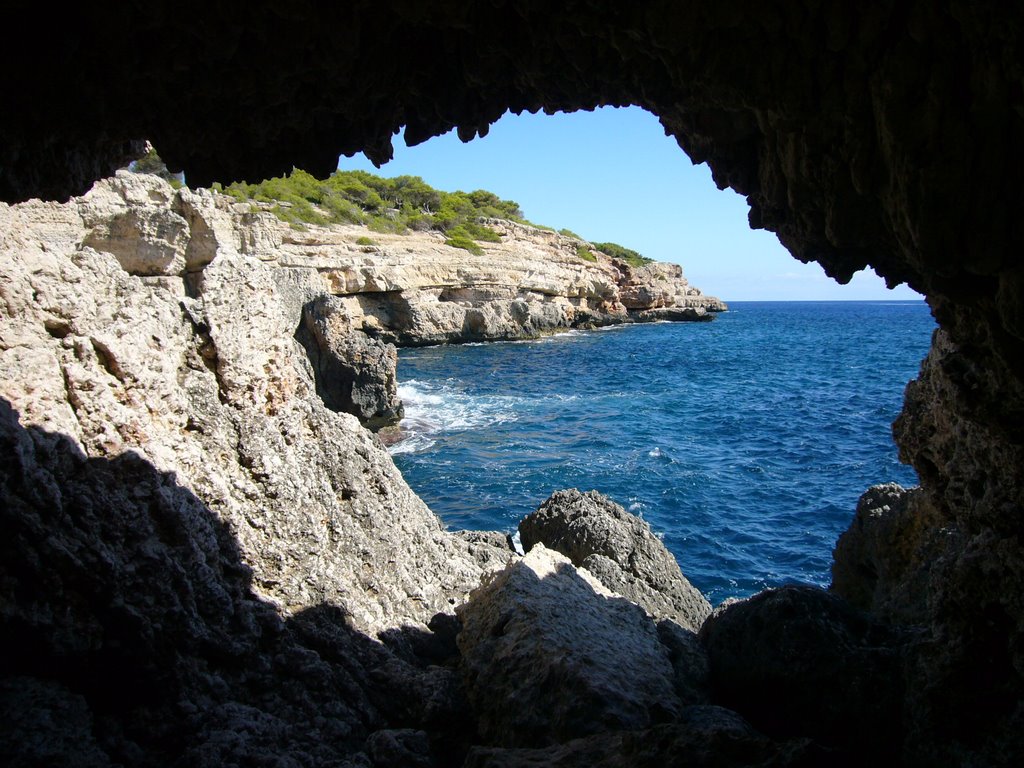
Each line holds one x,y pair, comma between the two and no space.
744,442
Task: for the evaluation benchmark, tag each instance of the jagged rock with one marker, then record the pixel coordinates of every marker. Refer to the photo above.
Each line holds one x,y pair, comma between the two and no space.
194,544
704,737
619,549
689,662
492,549
354,374
400,748
671,314
548,654
428,697
201,375
797,661
846,160
44,723
889,138
140,636
884,562
133,220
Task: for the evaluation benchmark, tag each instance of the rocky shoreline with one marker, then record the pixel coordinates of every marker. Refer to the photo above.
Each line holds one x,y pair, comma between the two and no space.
209,560
355,294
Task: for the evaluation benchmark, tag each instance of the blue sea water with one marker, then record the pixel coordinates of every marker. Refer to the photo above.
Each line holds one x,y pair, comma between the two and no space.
744,442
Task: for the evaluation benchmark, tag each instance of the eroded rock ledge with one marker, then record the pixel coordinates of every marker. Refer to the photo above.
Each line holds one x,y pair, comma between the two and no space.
349,301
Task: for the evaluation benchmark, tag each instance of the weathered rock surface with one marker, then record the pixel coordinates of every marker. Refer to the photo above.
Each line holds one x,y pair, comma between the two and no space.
198,556
548,654
704,737
354,373
798,661
885,561
413,289
620,550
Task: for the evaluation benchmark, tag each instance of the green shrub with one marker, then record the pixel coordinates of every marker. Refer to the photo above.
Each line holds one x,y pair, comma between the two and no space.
384,205
569,233
585,253
627,255
478,231
340,210
152,163
461,241
364,240
386,225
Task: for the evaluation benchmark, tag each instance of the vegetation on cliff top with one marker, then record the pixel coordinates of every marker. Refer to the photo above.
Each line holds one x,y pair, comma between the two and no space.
152,163
622,253
394,205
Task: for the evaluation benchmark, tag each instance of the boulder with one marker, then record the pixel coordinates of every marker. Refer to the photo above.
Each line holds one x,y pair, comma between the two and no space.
354,373
672,314
130,216
883,562
798,661
620,550
549,654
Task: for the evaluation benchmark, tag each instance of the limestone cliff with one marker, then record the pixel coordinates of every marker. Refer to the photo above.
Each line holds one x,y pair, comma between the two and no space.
347,300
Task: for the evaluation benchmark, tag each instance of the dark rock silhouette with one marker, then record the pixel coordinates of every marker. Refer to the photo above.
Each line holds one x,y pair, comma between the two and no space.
129,633
797,661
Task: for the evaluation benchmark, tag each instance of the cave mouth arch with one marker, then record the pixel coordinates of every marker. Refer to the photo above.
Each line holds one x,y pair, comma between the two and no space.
889,137
612,174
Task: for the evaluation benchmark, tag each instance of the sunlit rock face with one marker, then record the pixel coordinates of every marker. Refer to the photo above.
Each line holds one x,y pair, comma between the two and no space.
891,136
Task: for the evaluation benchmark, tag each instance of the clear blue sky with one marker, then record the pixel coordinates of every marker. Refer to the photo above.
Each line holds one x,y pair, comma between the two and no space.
613,175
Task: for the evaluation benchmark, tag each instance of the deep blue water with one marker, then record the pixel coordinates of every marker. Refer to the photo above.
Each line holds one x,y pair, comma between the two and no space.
744,442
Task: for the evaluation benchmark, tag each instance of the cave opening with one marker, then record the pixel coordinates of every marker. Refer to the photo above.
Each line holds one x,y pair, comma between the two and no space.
750,456
889,136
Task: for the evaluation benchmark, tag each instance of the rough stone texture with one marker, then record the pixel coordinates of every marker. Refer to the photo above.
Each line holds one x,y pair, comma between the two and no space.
961,429
620,550
413,289
492,549
197,554
354,374
671,314
798,661
885,561
407,289
548,654
704,737
889,136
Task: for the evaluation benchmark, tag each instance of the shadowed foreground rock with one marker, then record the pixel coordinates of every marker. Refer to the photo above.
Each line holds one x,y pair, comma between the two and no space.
883,562
548,655
620,550
798,661
704,737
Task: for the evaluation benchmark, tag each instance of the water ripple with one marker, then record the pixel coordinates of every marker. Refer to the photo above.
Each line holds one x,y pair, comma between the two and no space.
746,441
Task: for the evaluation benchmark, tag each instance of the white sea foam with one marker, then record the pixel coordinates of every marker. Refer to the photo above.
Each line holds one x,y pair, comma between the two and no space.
433,409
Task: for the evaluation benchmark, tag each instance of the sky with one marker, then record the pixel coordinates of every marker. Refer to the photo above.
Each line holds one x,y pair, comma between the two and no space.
612,175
